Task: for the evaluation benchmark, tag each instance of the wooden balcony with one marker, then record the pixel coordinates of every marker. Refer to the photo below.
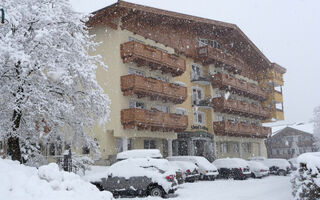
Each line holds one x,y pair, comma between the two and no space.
155,89
153,120
224,81
156,59
240,129
208,55
220,104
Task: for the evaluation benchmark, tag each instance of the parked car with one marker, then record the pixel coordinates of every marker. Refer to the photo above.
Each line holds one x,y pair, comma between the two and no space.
235,168
277,166
140,176
139,153
190,170
258,170
149,153
293,164
207,170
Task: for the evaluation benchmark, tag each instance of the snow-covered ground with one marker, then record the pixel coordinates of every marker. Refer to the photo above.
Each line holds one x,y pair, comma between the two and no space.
19,182
268,188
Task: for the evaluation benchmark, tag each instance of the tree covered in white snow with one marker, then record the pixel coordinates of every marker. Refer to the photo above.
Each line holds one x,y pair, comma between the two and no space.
316,128
48,87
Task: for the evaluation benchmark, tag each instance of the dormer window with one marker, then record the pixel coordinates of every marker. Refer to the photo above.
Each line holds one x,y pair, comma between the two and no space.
212,43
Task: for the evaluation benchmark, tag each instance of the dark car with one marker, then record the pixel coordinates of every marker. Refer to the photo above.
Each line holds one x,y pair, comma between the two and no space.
235,168
278,166
140,176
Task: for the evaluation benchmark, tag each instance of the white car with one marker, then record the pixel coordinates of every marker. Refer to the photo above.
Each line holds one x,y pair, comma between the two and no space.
206,169
258,170
190,170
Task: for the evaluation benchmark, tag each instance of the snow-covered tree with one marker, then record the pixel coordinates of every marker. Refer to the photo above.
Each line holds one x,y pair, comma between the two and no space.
48,87
316,125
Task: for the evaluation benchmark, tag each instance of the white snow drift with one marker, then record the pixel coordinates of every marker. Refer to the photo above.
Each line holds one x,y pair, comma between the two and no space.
29,183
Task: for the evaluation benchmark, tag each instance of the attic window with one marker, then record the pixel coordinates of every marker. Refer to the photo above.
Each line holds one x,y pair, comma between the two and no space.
212,43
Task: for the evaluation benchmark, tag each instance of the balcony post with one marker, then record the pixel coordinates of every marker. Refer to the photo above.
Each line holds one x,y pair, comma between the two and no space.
170,147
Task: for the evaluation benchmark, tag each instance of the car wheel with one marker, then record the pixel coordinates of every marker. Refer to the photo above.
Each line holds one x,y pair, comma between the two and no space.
156,191
253,175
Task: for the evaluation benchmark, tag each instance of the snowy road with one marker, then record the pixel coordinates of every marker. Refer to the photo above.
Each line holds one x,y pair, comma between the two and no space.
269,188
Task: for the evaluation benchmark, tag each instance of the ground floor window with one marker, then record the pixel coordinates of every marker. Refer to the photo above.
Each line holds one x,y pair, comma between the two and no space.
224,147
182,148
52,150
246,147
150,144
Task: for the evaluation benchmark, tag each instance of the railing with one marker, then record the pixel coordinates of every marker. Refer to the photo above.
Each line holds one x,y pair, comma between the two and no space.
144,119
221,104
208,55
225,81
142,54
143,86
240,129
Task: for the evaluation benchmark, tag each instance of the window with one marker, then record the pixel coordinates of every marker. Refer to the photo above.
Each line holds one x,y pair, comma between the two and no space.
246,147
212,43
162,78
196,71
163,108
197,95
235,147
52,150
149,144
224,147
203,42
1,145
181,111
220,118
136,104
137,72
198,117
278,152
119,145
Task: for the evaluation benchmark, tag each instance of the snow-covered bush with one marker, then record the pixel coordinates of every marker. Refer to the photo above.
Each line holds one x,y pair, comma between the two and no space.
306,180
29,183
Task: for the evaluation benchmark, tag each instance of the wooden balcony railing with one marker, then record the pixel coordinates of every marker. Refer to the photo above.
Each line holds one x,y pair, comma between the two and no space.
145,55
224,81
208,55
142,86
220,104
154,120
240,129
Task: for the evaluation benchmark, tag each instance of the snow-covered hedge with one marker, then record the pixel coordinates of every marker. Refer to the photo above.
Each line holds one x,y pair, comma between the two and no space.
29,183
306,180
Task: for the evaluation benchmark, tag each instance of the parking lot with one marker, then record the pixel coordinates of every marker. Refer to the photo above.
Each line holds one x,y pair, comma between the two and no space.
268,188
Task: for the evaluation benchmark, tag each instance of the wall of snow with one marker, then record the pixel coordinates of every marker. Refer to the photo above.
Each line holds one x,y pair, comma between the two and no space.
29,183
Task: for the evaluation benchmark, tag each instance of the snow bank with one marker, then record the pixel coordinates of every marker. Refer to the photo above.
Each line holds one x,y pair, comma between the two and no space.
139,153
312,161
29,183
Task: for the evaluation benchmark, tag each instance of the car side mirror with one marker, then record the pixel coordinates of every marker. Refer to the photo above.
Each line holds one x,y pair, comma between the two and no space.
109,175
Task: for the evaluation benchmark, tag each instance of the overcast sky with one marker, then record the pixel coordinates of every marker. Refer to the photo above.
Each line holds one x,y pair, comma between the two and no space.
286,31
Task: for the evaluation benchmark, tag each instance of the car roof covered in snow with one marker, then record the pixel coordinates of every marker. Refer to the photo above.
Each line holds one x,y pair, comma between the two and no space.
202,162
256,166
184,165
139,153
278,162
230,163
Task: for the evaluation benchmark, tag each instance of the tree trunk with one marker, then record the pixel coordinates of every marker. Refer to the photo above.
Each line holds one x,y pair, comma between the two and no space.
14,148
13,141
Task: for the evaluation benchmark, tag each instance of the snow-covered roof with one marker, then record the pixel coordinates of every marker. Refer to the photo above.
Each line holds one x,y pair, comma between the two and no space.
139,153
278,126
